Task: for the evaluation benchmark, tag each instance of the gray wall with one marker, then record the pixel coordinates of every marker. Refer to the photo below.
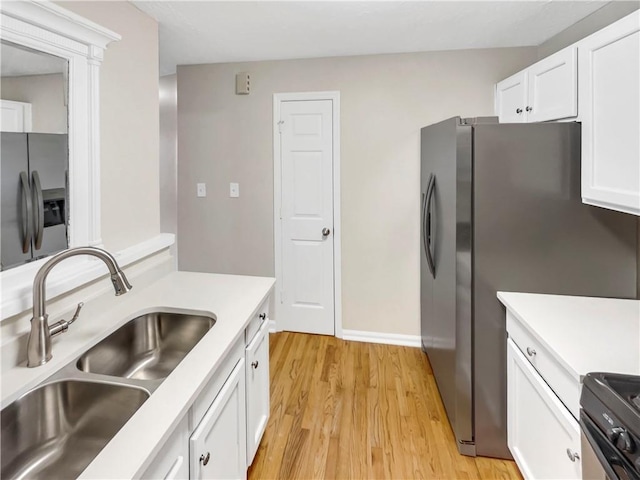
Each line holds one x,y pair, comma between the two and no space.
597,20
386,99
46,95
129,137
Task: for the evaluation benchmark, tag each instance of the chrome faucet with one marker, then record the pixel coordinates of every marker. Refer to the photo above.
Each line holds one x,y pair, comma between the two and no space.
39,344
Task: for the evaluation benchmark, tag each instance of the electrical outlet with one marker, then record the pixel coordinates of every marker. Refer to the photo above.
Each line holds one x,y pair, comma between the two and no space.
201,189
234,190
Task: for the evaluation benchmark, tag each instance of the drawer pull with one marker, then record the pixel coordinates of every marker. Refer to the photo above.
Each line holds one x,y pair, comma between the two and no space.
530,351
572,455
262,316
255,364
204,460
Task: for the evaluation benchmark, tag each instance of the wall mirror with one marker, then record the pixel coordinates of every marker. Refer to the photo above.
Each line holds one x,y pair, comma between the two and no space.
30,28
34,168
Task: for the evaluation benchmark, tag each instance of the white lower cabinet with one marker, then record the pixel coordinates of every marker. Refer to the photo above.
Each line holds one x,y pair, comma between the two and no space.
220,435
217,447
172,462
257,371
542,435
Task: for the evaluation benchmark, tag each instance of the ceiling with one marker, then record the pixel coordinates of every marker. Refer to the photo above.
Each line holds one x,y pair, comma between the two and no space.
16,61
193,32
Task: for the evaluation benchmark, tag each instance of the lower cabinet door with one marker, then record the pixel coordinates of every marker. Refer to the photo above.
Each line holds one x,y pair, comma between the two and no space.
217,447
542,435
257,367
172,462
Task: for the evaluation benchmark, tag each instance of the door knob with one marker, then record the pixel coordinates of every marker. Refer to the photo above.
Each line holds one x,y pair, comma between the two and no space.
326,232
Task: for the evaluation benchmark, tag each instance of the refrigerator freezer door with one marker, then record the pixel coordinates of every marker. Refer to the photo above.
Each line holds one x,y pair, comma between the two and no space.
532,233
16,200
446,334
48,160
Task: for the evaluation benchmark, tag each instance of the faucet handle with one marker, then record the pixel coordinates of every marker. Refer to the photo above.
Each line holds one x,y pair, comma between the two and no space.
76,313
63,325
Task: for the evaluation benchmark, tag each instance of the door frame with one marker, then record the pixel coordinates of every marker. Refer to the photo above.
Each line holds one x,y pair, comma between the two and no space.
278,98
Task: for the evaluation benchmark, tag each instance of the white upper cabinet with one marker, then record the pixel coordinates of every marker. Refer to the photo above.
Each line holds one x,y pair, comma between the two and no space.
552,87
511,98
609,82
545,91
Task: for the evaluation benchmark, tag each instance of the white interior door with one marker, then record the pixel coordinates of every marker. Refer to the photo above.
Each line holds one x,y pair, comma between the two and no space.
306,165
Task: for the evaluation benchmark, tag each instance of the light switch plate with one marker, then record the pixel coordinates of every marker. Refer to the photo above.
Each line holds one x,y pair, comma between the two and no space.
201,189
234,190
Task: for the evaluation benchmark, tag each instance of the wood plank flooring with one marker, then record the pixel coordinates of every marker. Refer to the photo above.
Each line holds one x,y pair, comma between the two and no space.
348,410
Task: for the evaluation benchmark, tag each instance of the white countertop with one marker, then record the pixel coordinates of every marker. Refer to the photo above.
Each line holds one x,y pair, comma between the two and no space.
232,299
586,334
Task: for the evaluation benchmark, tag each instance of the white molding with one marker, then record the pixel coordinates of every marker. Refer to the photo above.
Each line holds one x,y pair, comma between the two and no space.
385,338
278,98
53,18
46,27
16,284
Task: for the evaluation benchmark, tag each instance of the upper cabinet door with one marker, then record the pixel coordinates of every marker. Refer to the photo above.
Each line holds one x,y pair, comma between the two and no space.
552,87
511,98
609,85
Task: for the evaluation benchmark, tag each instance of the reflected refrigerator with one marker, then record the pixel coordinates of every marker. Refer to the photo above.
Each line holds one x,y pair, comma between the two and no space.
501,210
33,174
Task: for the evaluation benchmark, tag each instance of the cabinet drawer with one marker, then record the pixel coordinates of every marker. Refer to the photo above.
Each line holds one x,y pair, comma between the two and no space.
542,435
561,381
210,391
262,315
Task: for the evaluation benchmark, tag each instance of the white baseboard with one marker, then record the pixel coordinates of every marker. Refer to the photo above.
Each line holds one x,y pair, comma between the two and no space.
370,337
386,338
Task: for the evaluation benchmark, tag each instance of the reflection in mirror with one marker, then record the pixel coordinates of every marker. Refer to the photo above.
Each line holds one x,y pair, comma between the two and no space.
33,154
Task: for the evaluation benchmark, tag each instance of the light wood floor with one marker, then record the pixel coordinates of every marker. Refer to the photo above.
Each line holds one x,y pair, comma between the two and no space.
348,410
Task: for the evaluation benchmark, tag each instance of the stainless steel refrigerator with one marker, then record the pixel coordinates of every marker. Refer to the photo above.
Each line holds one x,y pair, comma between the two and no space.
33,174
501,210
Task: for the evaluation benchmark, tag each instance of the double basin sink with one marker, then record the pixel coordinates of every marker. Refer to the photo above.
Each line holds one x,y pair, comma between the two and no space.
58,428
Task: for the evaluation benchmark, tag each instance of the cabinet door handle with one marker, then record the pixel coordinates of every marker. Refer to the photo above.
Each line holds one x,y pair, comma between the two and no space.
262,316
573,456
529,109
255,364
518,111
204,460
530,351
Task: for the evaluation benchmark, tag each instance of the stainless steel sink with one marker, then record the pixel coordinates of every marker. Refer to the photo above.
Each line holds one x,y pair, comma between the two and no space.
148,347
56,430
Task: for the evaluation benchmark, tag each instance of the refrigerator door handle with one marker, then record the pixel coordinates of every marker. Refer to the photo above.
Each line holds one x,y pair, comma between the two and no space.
38,217
426,225
27,212
424,221
432,224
